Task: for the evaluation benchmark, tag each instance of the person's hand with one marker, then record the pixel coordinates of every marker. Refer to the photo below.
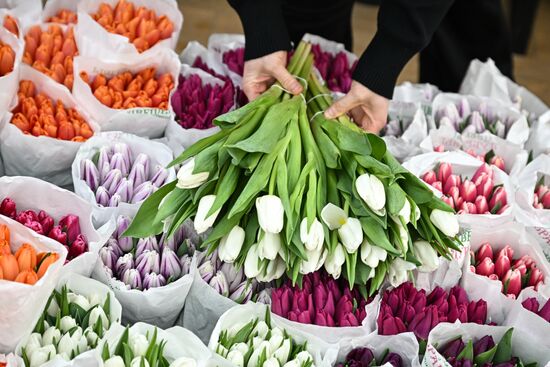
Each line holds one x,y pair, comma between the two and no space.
368,109
259,74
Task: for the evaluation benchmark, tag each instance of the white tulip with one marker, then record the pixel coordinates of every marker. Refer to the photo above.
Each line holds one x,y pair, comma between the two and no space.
138,343
405,211
256,341
79,300
271,362
333,216
252,264
189,180
82,344
66,344
371,190
253,361
184,362
277,331
335,260
92,337
274,270
67,323
34,342
261,329
275,341
95,299
41,355
372,255
53,308
236,357
270,213
231,244
282,353
397,271
293,363
446,222
221,350
427,255
314,237
201,222
114,361
241,347
65,356
97,313
403,236
315,259
351,234
304,356
139,362
417,212
52,335
269,246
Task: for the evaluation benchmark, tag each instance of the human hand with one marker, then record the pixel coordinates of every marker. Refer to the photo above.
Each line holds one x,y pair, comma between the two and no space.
368,109
259,74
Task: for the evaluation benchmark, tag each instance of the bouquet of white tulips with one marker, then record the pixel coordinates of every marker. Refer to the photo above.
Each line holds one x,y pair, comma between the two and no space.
284,190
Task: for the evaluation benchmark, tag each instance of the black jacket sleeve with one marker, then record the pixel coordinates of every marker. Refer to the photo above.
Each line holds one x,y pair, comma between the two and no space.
264,26
404,28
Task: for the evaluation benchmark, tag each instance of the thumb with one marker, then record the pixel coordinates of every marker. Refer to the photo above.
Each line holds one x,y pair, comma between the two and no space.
341,106
287,80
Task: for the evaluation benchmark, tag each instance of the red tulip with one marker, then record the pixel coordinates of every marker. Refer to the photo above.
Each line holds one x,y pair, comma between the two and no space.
46,221
485,250
506,250
78,247
8,208
522,269
429,177
444,171
57,234
512,282
71,225
468,191
485,267
502,265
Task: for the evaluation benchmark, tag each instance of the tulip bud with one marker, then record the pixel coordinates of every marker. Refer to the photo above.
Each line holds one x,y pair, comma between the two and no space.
427,255
371,190
170,266
124,263
139,362
468,191
124,150
335,260
219,284
132,279
283,352
147,262
445,170
451,112
41,355
153,280
189,180
206,270
137,174
312,237
78,247
445,121
452,181
96,314
485,250
233,275
8,208
270,213
67,323
535,277
477,122
429,177
449,201
115,200
243,293
125,189
502,265
485,267
115,361
269,246
112,181
481,205
102,196
513,280
372,255
34,342
446,222
52,335
252,265
438,186
231,244
453,348
58,235
398,271
66,344
484,169
90,174
236,357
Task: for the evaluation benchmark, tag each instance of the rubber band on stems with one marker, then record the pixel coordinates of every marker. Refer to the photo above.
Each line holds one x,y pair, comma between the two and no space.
315,115
289,92
317,96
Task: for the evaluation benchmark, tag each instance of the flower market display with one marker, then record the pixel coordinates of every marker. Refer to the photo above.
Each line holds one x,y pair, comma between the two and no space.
152,216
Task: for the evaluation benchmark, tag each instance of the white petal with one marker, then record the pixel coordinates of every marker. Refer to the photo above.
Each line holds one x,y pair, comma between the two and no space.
351,234
252,262
371,190
231,244
314,237
201,223
333,216
270,213
269,246
187,179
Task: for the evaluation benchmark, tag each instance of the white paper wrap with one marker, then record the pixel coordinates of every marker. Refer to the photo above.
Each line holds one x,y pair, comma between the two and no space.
478,286
12,360
415,129
94,40
404,344
526,181
539,140
19,314
514,156
180,342
422,94
324,354
223,42
484,79
42,157
518,130
158,153
466,165
524,345
35,194
145,121
158,306
52,7
85,287
27,12
9,83
180,138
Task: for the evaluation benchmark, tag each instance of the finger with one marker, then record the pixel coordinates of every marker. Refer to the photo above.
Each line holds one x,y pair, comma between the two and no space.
342,106
252,91
287,80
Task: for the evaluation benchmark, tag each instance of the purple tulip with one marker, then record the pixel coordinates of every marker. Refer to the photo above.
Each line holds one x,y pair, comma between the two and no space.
104,170
147,262
113,243
362,355
171,242
124,150
57,234
104,156
146,244
394,359
46,221
153,280
453,348
234,277
102,196
124,263
483,345
125,189
464,109
545,311
243,293
206,271
185,261
170,266
160,176
142,192
219,283
477,122
137,174
144,160
90,174
108,257
115,200
477,311
112,180
132,279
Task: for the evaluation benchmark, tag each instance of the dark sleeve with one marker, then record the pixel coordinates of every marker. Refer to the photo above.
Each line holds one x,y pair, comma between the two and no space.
404,28
264,26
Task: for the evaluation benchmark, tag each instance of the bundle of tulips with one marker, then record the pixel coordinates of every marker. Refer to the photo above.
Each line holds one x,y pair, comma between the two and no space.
239,95
489,157
26,265
533,305
142,26
63,16
234,60
146,262
407,309
541,197
7,59
515,274
70,325
11,24
120,176
483,352
321,300
131,90
39,115
196,104
67,231
363,357
478,195
334,68
51,52
263,175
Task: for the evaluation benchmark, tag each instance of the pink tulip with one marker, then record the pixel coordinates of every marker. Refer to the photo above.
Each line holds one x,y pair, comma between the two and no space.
481,205
535,277
493,277
468,191
483,169
437,185
459,202
484,251
439,148
541,190
57,234
485,267
521,268
498,161
502,266
484,186
506,250
531,304
444,171
528,261
454,192
498,198
8,208
429,177
449,201
468,208
545,311
503,209
512,281
452,180
545,200
46,221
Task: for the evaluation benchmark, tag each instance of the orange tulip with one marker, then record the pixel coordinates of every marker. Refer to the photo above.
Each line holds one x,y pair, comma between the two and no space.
141,44
147,73
4,233
26,257
27,277
69,47
69,80
84,76
99,81
21,122
5,247
116,83
7,58
57,43
11,24
65,131
45,263
1,277
9,266
35,32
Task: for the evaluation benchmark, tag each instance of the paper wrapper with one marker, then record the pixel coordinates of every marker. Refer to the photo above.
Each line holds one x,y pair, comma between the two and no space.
415,130
526,182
